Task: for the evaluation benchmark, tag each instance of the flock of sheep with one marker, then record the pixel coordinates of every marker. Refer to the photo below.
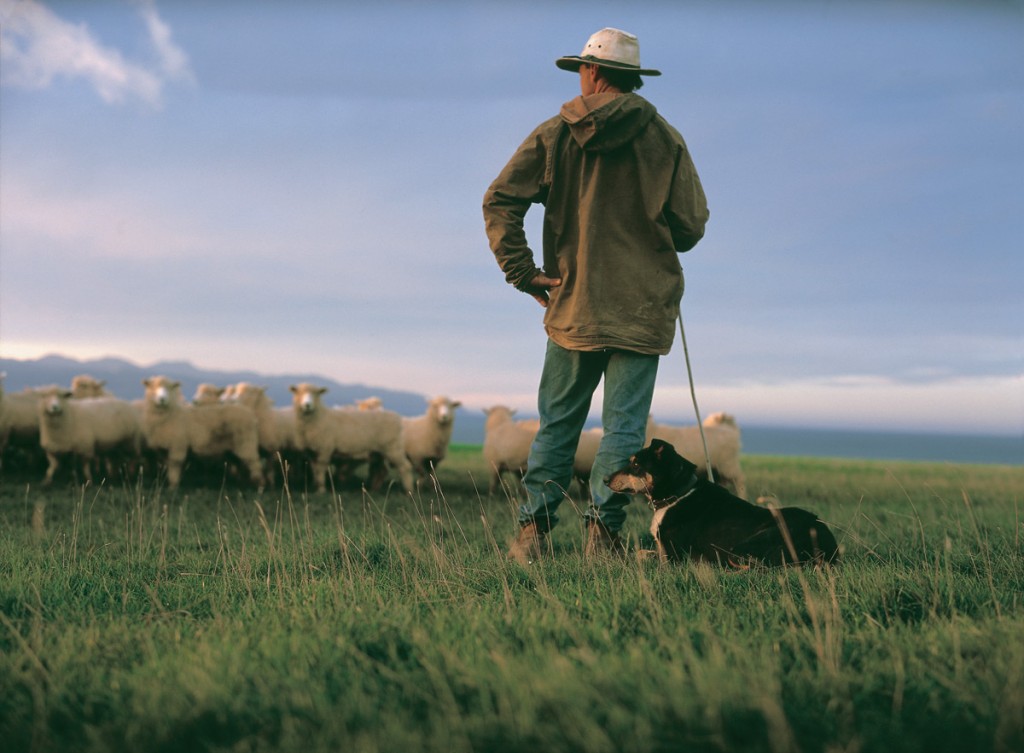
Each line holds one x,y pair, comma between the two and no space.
103,433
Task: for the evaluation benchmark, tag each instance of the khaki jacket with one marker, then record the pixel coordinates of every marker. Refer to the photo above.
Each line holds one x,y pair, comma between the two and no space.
621,198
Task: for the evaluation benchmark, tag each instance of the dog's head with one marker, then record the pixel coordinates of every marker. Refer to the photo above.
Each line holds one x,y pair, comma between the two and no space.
657,471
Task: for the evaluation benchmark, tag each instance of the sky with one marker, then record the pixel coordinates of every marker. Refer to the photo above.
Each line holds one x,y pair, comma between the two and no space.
296,188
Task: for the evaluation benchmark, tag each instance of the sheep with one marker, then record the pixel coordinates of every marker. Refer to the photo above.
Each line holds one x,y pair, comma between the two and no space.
83,386
723,438
427,437
277,426
328,432
171,426
208,394
507,446
87,428
19,423
376,470
506,443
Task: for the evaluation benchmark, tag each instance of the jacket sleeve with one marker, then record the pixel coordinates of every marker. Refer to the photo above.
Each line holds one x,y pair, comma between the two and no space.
519,185
686,210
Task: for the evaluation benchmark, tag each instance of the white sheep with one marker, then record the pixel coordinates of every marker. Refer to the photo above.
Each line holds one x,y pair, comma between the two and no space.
723,438
507,446
506,443
171,426
209,394
83,386
350,434
87,428
19,420
278,438
427,437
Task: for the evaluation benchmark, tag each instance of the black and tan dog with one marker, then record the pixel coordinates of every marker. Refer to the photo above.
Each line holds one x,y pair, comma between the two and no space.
700,521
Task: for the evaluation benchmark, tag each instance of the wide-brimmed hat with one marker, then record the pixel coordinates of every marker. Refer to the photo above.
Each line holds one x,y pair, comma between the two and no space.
610,48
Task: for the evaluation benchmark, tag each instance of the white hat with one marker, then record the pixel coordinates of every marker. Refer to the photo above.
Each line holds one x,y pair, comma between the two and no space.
611,48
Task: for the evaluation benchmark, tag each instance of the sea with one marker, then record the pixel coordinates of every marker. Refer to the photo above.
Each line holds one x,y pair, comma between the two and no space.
861,444
883,445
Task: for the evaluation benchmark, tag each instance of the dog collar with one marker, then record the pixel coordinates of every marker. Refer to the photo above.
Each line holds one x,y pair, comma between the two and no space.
691,487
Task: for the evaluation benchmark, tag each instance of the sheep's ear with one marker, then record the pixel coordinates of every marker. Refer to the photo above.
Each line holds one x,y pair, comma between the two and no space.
66,394
321,390
174,385
294,388
146,381
456,404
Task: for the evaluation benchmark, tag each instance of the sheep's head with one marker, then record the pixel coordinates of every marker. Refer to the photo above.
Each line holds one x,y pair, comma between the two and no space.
498,414
161,391
208,394
443,410
251,395
306,398
53,401
84,385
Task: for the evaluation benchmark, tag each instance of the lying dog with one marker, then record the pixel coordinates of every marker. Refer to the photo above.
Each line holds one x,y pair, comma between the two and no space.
697,520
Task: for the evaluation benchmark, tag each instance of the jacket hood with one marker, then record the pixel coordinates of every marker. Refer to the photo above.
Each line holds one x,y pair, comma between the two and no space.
602,122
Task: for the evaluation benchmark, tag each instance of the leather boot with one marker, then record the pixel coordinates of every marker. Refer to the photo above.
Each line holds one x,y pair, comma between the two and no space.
528,545
602,542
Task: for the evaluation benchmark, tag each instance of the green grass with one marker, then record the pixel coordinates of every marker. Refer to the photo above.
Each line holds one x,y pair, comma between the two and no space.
215,619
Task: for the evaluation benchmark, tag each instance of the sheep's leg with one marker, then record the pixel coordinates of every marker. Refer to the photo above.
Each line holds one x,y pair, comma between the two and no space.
53,462
377,471
256,474
320,466
398,461
87,461
175,461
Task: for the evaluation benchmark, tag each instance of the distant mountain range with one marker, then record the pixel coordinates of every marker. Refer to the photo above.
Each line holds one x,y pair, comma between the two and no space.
124,379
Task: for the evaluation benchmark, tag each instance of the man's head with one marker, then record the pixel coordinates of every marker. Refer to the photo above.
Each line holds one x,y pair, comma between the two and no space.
611,55
596,78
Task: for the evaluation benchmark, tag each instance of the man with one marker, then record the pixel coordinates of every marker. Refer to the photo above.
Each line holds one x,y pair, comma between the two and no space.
621,198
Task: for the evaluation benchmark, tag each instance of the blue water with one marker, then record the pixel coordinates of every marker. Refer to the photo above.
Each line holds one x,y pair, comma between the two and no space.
844,443
877,445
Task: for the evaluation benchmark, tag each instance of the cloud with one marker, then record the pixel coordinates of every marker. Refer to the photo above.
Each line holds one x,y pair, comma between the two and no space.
37,47
172,59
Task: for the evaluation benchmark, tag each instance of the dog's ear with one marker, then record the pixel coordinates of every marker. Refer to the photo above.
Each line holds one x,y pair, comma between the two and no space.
658,446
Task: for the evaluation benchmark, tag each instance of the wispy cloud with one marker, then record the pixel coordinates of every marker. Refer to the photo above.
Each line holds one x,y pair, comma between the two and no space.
37,47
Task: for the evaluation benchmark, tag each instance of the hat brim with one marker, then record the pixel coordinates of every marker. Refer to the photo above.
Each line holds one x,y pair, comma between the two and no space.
573,63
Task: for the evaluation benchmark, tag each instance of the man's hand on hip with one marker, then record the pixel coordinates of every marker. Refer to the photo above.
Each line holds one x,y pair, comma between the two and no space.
539,287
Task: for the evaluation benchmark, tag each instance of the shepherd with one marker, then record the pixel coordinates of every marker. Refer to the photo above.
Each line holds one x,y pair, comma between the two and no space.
621,199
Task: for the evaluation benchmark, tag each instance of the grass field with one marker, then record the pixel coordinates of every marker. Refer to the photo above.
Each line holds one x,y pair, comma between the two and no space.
216,619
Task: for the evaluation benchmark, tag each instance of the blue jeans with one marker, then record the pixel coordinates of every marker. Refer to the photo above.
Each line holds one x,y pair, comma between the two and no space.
567,386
